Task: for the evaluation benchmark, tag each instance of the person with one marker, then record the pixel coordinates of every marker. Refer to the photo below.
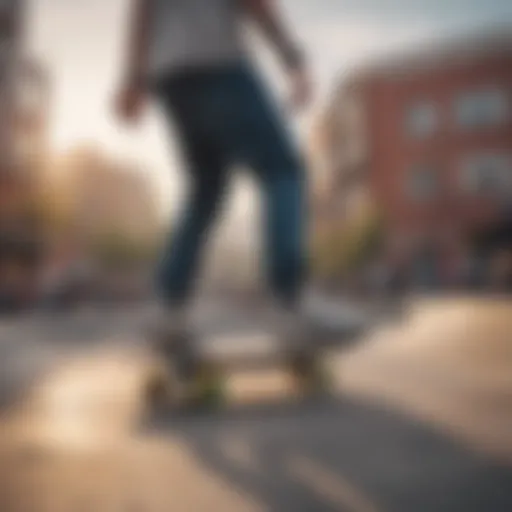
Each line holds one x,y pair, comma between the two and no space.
192,56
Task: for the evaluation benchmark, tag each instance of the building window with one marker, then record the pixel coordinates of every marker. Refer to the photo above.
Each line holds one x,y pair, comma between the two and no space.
421,120
422,183
481,109
489,173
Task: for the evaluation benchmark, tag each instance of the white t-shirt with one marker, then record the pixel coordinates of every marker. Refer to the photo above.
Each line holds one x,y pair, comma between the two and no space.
194,34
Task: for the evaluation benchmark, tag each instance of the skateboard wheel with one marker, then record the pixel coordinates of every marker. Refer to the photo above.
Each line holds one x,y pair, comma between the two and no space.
161,388
207,387
310,373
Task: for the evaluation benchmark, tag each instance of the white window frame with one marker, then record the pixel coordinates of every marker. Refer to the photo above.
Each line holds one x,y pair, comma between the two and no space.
484,108
421,119
497,165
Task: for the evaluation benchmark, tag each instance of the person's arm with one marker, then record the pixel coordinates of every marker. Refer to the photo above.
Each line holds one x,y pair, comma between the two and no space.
131,97
138,40
268,18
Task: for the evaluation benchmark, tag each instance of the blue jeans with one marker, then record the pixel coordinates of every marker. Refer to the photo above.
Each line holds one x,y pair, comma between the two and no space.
225,118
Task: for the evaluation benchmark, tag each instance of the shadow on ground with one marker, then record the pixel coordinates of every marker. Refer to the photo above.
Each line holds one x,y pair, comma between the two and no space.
343,456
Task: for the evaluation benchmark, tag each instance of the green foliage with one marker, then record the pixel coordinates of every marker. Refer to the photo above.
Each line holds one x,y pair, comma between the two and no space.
362,241
117,250
326,253
346,249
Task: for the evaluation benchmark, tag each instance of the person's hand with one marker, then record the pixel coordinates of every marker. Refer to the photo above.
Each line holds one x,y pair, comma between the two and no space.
130,103
301,89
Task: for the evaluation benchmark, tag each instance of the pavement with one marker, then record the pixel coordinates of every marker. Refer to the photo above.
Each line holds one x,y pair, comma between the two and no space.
421,421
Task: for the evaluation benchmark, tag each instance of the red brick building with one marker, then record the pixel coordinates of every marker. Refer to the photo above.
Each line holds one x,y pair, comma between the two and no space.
428,138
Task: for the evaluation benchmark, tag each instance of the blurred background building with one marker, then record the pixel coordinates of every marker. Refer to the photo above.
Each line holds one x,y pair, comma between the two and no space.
425,139
24,103
58,211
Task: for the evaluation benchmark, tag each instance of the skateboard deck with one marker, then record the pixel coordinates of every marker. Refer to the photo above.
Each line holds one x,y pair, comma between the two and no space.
192,371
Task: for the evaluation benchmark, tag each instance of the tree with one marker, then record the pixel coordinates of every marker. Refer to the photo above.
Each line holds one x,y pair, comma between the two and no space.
116,250
362,241
345,249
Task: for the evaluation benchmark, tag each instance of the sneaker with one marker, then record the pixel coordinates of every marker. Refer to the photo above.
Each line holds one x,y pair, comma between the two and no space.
319,319
286,321
166,323
171,335
337,318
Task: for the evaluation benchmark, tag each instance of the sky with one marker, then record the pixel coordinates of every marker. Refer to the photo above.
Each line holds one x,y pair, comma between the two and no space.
81,41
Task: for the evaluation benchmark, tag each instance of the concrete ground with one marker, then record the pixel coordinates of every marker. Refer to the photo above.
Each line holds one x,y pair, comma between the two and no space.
422,421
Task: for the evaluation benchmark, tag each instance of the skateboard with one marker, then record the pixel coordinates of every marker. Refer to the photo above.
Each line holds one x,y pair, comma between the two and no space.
191,372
